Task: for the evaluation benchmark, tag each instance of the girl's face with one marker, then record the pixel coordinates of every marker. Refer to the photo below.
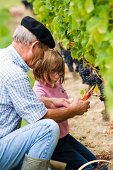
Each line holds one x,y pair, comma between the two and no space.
54,77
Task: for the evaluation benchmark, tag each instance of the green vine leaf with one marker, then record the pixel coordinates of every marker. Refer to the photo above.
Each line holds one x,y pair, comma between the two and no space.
89,6
89,24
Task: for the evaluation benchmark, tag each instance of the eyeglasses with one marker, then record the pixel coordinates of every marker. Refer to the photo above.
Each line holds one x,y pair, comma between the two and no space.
56,73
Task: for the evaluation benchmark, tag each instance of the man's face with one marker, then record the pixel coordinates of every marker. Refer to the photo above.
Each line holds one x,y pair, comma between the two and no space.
38,53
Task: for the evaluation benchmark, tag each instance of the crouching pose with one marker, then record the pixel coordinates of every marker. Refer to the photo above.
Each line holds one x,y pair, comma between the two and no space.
49,75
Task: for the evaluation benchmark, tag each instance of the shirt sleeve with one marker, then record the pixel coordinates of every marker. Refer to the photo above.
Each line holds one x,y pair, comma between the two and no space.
39,91
24,100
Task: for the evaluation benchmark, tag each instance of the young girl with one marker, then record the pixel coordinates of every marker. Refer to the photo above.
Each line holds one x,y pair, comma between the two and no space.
49,75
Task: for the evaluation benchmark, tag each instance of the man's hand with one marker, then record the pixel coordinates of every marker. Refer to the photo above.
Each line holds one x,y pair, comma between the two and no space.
79,107
63,113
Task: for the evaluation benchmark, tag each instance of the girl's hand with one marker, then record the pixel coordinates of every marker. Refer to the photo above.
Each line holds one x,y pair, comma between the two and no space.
60,102
55,102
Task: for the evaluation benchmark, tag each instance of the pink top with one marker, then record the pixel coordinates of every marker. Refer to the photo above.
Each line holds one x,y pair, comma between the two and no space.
57,92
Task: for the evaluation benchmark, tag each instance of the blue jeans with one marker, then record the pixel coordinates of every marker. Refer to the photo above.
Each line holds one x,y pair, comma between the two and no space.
72,152
38,140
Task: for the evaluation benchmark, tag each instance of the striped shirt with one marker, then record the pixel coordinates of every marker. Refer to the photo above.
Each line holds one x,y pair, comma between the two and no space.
17,99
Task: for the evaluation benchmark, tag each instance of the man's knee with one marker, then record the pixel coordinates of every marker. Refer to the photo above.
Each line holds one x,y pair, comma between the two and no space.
52,126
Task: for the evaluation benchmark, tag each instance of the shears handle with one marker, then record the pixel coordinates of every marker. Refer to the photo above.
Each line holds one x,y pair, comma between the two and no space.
88,94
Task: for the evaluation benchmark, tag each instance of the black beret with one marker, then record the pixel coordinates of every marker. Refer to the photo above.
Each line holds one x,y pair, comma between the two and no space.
39,30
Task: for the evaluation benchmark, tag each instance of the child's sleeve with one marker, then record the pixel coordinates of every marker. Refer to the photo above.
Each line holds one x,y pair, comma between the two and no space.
39,91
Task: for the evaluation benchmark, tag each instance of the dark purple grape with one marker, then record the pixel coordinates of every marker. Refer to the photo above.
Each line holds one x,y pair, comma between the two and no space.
86,73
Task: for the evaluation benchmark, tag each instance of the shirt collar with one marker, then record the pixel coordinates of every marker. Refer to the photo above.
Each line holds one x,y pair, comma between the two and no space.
16,58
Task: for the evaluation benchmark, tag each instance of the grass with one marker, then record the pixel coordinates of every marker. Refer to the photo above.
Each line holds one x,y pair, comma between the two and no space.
23,123
30,75
9,3
5,33
5,18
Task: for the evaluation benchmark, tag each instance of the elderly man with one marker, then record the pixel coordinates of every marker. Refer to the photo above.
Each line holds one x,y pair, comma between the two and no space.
36,141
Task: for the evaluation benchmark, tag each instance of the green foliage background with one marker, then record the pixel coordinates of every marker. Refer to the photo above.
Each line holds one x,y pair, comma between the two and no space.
7,4
5,32
89,23
5,18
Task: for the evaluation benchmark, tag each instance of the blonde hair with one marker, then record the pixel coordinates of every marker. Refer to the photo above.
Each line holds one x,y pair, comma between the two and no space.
52,62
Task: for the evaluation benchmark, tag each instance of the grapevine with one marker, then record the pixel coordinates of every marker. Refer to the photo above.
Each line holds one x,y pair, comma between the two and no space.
89,75
89,24
87,72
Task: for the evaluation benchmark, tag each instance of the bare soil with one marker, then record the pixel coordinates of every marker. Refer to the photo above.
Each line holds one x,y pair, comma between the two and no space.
90,128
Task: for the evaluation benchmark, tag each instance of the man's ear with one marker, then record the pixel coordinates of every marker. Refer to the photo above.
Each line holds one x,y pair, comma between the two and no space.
34,44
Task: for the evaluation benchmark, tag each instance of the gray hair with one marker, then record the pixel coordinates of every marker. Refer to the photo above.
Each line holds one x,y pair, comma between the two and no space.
24,36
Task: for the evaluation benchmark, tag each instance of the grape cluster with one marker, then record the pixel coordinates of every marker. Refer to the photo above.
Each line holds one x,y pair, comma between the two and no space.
89,77
87,74
66,53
